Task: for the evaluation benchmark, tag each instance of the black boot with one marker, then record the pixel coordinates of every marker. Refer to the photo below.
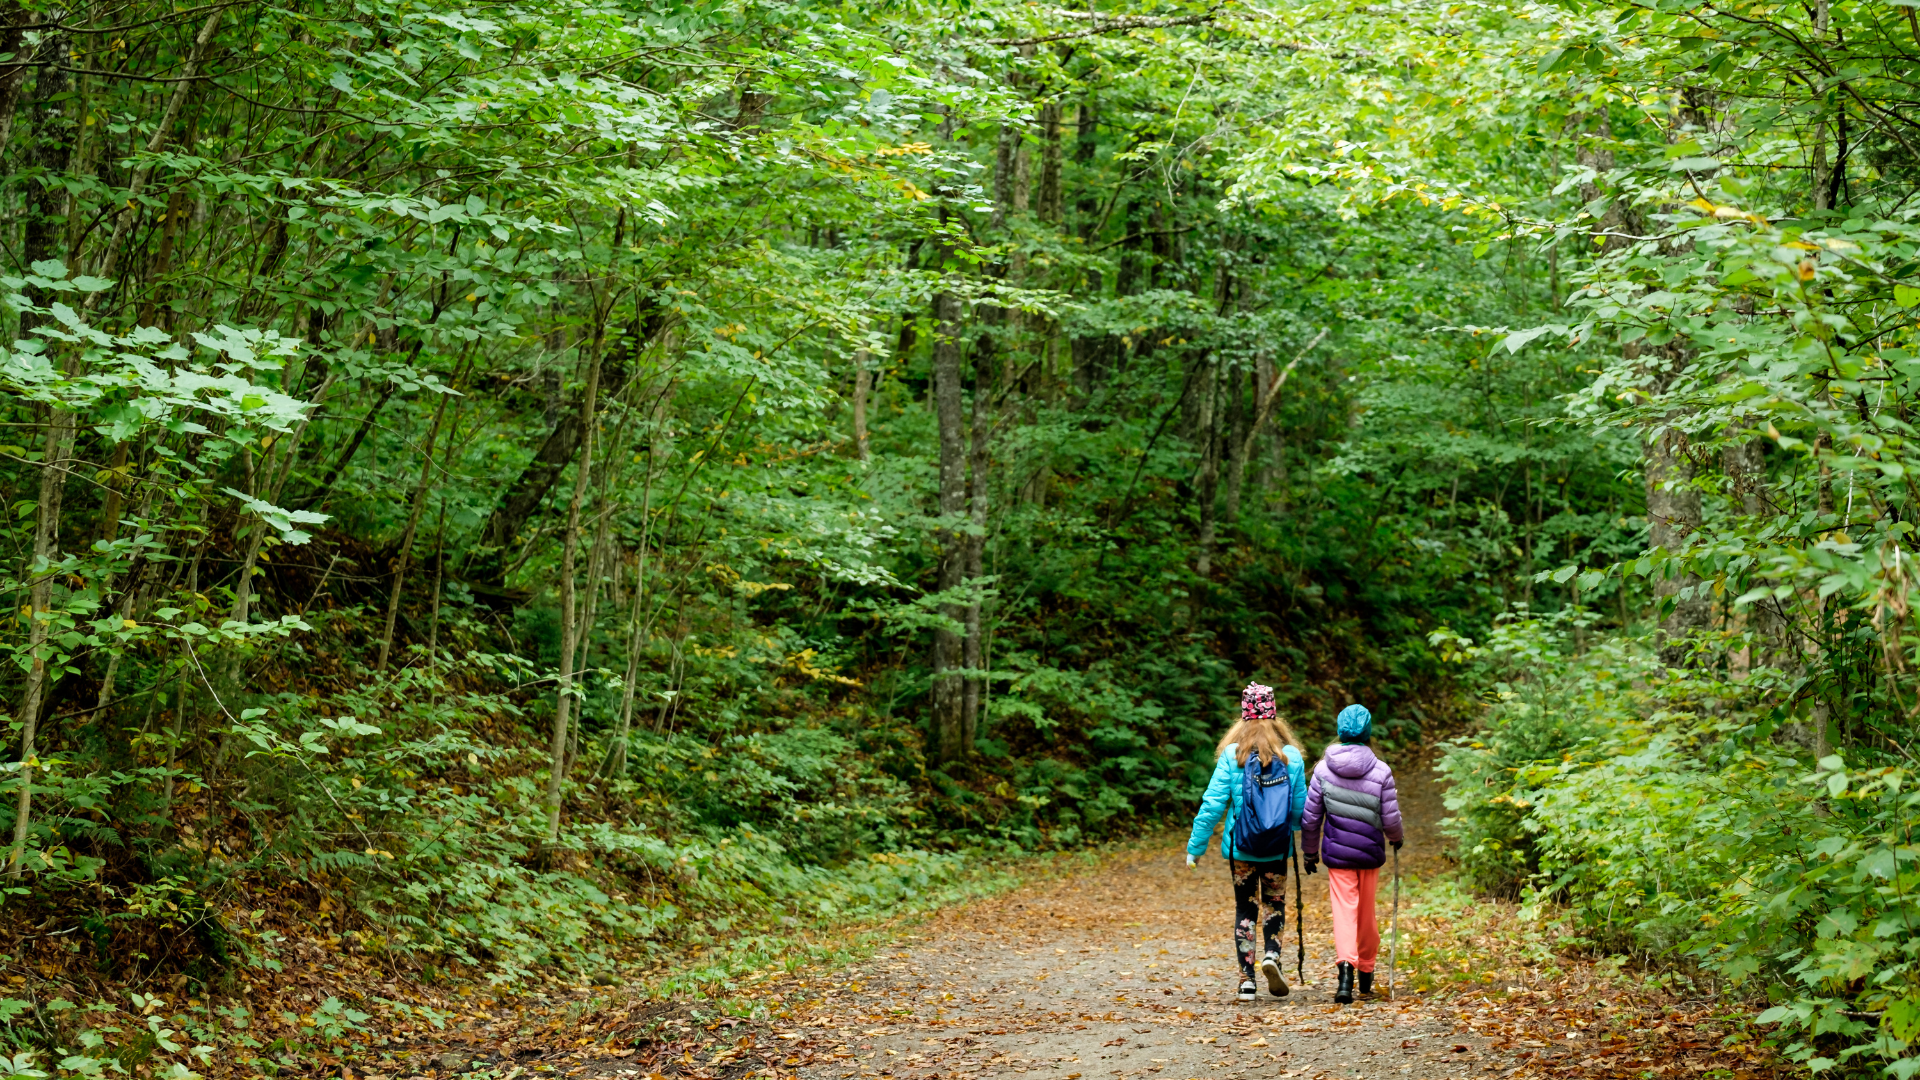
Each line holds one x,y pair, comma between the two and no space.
1366,982
1343,993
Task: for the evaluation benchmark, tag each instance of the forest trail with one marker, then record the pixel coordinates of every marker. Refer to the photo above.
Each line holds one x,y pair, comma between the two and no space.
1127,971
1124,971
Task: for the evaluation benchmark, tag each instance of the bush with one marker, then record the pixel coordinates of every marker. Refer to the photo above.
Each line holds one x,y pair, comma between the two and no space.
1667,815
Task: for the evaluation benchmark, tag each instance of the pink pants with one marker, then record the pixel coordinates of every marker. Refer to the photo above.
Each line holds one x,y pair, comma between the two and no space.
1356,937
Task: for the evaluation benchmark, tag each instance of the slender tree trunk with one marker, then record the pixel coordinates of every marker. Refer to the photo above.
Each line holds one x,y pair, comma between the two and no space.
405,554
347,452
46,540
175,737
616,759
598,558
1051,207
43,235
1006,149
130,209
1206,484
862,385
132,586
14,20
979,461
1267,397
1744,463
569,630
264,483
948,693
1239,429
439,581
116,486
1673,518
1820,171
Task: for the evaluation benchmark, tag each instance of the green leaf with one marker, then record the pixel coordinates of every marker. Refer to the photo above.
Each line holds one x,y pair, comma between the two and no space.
1519,338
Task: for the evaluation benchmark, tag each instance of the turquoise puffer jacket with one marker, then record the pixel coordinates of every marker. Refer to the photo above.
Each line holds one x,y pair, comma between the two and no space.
1223,797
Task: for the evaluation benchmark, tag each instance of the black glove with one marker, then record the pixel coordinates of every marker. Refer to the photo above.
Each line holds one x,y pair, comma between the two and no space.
1313,864
1395,844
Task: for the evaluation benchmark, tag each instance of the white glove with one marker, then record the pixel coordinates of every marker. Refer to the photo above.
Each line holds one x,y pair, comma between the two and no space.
1189,860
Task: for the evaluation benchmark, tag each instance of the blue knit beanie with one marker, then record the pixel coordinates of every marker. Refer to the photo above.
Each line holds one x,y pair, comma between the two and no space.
1355,723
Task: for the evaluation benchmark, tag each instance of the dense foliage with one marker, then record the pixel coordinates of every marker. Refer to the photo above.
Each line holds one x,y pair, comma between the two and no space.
534,487
1733,788
515,491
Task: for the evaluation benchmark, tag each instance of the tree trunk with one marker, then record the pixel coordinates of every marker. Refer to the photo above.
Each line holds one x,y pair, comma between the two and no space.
347,452
43,236
598,559
1005,150
130,209
404,556
1050,204
569,630
132,587
160,294
1266,397
557,450
949,537
264,483
1673,517
1206,485
862,385
616,759
46,540
1213,389
13,30
979,460
1744,463
439,581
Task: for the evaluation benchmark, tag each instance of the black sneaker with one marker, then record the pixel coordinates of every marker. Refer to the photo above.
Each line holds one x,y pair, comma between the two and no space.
1247,990
1276,983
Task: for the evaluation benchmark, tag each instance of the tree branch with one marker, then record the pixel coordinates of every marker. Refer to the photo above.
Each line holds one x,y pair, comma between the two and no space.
1113,26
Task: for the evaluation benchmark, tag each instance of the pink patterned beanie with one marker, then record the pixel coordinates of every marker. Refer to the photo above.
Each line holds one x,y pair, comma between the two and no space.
1256,703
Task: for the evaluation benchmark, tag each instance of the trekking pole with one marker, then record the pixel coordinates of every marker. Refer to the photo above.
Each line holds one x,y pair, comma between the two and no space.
1393,942
1300,921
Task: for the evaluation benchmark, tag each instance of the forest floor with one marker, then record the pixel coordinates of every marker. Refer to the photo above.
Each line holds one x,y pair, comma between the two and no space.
1125,971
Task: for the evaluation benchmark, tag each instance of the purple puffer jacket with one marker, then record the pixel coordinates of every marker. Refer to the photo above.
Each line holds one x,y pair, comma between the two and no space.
1352,795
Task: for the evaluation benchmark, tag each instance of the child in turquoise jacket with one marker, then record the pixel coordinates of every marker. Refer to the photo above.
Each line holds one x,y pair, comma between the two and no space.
1260,731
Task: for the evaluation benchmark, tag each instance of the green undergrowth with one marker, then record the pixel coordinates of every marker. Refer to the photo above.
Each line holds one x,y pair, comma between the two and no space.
1679,821
875,901
783,946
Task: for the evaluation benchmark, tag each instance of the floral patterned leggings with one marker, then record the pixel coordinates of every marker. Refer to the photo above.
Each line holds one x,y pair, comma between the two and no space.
1251,883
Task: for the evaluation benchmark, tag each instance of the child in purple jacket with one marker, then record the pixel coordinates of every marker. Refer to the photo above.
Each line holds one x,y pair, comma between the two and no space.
1352,816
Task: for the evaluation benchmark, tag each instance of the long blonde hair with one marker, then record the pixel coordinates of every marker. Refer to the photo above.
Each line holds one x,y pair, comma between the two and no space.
1264,737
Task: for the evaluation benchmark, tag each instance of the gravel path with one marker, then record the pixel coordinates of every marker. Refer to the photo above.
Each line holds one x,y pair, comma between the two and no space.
1125,971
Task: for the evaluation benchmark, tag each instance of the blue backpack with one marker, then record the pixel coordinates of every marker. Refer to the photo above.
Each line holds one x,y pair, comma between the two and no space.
1266,801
